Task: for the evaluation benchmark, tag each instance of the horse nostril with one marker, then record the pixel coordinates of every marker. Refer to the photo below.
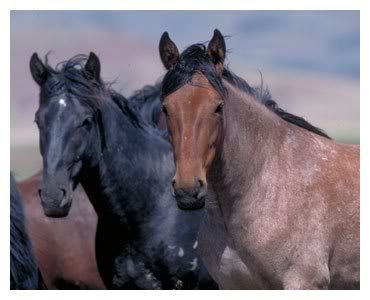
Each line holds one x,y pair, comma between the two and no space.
39,191
173,183
201,188
64,198
200,183
64,192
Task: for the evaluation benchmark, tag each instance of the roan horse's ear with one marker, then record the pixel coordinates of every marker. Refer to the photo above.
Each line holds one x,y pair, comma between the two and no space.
92,67
168,51
216,50
38,70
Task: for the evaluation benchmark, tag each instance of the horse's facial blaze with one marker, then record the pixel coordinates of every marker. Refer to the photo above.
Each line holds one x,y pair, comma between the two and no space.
194,118
63,142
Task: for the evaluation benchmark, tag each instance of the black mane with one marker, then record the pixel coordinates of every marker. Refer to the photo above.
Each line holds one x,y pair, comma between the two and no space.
128,109
195,59
147,101
70,77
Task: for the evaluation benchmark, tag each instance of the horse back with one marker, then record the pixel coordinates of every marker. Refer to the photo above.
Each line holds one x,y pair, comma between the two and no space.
64,248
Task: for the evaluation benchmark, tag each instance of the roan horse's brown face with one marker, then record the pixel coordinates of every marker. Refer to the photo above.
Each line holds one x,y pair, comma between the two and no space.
194,121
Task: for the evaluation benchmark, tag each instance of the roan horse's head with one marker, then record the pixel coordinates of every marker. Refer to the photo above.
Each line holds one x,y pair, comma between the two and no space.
194,110
67,130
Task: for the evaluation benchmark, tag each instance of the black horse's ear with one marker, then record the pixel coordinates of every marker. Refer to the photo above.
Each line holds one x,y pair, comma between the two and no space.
216,50
38,71
168,51
92,67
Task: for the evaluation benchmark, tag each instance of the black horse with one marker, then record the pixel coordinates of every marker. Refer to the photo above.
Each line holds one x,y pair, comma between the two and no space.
24,273
92,135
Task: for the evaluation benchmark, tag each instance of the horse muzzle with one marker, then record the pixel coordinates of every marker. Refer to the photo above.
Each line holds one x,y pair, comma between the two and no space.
191,199
56,202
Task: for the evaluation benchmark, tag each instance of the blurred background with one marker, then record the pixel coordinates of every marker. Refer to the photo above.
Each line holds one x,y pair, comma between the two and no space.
310,60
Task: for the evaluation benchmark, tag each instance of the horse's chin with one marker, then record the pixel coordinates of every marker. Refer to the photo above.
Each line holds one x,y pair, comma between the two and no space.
190,203
57,212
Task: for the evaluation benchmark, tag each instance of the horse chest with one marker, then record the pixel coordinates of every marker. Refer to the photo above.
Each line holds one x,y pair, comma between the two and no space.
234,273
160,266
221,259
223,263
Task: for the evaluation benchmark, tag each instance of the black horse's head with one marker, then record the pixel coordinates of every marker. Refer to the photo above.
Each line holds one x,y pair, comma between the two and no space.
66,118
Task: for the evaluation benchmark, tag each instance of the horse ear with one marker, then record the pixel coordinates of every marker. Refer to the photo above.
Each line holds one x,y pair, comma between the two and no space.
168,51
216,50
92,67
38,71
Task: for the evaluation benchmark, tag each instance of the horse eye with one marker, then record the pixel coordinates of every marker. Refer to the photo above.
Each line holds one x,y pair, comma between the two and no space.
164,109
87,122
219,108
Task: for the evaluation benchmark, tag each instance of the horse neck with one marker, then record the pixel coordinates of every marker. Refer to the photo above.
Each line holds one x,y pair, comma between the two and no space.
250,137
112,179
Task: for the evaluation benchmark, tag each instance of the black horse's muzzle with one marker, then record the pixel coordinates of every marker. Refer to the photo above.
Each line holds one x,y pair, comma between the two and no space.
56,200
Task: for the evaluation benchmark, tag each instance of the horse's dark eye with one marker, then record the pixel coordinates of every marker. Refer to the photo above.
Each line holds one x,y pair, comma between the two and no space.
164,109
87,122
219,108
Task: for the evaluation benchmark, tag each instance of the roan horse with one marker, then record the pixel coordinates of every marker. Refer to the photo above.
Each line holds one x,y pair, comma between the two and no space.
282,198
24,272
92,135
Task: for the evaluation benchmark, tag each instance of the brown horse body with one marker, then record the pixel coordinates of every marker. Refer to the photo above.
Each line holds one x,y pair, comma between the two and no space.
286,202
64,248
282,199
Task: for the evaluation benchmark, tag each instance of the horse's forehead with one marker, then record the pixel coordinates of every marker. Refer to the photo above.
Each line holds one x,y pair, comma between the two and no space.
61,105
195,93
62,102
200,78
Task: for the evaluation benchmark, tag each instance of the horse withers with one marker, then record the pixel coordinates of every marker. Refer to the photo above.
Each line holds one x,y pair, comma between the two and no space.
282,198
